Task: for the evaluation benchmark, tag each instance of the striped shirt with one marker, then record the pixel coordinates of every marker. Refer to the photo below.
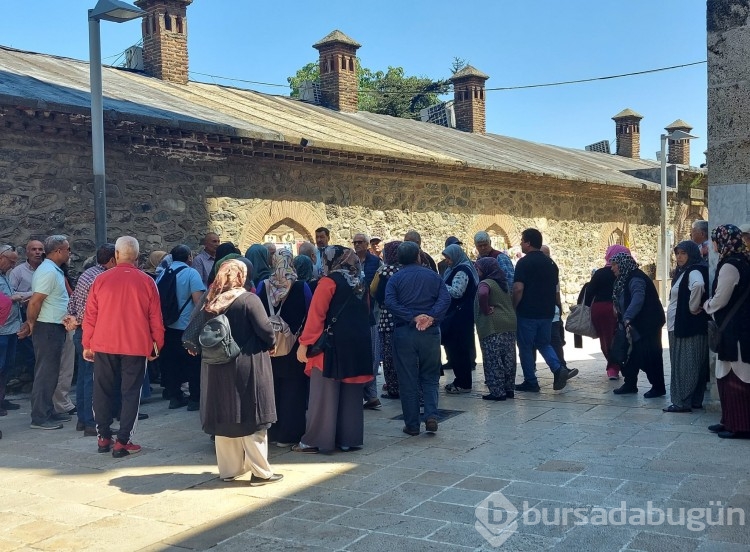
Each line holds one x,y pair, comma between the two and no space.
77,303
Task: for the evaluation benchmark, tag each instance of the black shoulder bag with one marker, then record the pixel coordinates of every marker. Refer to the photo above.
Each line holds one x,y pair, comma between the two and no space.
715,331
324,341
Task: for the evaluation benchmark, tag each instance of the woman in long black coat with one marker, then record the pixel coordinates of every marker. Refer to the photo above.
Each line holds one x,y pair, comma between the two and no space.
290,299
237,399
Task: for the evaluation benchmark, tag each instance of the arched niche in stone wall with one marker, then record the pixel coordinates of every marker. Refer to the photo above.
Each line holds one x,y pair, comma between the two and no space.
690,215
613,233
270,215
501,228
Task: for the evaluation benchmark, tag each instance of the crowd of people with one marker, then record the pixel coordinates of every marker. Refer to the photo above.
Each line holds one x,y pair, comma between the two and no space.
348,311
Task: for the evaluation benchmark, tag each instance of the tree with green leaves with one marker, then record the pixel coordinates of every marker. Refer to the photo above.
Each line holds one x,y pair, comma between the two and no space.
390,92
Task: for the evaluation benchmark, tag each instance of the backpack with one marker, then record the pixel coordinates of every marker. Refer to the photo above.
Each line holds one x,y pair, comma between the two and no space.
167,286
285,339
217,344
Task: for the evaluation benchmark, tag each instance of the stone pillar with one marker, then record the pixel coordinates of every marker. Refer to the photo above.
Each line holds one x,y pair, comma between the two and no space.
339,83
728,156
628,133
468,100
165,53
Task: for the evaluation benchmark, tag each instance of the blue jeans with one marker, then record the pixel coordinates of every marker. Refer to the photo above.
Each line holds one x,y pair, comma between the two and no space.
7,359
535,334
417,358
84,383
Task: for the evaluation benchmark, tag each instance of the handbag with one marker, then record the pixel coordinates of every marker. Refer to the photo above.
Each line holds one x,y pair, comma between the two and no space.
325,341
619,351
285,339
579,320
715,331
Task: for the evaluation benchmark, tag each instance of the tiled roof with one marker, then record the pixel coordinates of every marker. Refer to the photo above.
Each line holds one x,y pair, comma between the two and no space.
56,83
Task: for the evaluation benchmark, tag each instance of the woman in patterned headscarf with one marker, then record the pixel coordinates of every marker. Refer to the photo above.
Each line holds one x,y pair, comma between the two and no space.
284,294
385,322
335,416
599,298
733,364
687,327
457,329
237,404
640,313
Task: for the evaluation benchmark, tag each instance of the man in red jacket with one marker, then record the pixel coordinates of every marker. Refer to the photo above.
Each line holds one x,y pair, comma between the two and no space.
122,329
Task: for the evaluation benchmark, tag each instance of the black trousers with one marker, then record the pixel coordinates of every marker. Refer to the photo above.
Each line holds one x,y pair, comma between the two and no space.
178,366
130,370
48,345
460,351
646,355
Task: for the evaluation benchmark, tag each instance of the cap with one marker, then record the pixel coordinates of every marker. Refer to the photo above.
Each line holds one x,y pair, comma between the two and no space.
376,239
450,240
745,228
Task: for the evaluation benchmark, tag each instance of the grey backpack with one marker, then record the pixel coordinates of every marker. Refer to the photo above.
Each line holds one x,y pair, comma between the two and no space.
217,344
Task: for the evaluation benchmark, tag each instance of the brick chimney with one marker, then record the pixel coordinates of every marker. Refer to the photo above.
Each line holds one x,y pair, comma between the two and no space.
165,53
468,99
338,72
628,133
679,150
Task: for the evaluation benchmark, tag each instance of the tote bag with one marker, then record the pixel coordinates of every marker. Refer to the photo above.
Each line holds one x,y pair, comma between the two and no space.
579,320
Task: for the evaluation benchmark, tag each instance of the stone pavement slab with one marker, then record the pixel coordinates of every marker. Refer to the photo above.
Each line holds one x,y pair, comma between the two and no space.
581,448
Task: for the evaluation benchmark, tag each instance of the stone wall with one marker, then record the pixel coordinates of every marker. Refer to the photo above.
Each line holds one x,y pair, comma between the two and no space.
165,196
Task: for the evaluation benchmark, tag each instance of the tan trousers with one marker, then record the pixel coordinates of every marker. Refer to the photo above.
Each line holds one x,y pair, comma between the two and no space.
238,455
61,398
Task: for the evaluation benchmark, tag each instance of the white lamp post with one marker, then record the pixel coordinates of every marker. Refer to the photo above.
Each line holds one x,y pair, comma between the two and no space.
665,253
119,12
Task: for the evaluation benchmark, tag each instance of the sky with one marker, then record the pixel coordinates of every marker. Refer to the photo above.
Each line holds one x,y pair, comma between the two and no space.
516,43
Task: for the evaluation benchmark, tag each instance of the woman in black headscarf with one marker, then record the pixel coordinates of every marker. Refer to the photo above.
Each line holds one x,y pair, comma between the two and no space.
640,313
687,327
733,362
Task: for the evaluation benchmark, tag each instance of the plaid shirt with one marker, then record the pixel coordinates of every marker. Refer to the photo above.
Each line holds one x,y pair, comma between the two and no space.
77,303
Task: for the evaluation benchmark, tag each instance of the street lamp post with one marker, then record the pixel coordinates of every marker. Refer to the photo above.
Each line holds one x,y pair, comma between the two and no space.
119,12
665,254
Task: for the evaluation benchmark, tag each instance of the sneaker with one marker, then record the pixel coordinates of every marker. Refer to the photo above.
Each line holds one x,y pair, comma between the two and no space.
60,417
7,405
47,424
431,425
452,389
121,451
373,404
258,481
527,386
562,376
104,444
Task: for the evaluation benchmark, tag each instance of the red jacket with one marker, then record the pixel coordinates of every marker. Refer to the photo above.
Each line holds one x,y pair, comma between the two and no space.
123,313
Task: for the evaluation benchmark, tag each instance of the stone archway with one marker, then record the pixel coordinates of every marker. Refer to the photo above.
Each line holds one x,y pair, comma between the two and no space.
614,233
268,215
498,226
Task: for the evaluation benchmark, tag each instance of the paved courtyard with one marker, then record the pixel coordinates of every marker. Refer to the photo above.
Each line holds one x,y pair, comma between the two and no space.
580,448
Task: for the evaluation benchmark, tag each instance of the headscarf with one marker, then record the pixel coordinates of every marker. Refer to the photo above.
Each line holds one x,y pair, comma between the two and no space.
492,270
225,249
458,257
249,286
258,255
344,260
390,252
228,285
303,266
283,277
728,238
217,264
613,250
694,257
626,265
154,258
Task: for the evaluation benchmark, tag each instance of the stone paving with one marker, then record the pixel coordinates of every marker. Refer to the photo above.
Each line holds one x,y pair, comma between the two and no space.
580,448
